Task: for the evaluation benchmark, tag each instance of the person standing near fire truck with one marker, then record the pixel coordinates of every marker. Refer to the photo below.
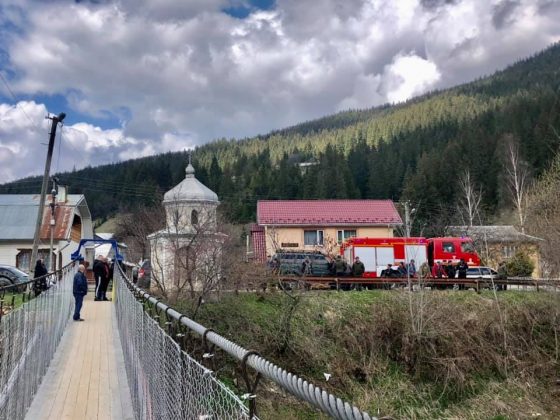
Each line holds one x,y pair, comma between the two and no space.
339,266
358,268
450,269
462,269
438,271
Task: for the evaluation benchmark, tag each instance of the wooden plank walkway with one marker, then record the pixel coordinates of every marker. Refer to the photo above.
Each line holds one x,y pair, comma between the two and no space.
86,379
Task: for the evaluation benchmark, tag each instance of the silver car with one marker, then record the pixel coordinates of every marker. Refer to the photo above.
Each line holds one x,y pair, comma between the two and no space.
485,273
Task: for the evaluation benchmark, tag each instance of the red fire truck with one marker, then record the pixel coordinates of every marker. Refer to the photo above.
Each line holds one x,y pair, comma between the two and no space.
376,253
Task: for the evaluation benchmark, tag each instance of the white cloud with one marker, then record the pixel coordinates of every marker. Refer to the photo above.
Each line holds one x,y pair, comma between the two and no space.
186,73
409,75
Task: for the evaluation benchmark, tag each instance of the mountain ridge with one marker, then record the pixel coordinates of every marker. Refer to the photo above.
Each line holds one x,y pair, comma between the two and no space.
389,151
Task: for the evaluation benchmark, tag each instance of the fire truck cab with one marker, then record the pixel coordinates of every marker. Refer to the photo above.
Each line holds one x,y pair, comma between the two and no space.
452,249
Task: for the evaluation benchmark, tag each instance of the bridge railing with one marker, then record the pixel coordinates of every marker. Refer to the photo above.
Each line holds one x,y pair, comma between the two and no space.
166,383
30,330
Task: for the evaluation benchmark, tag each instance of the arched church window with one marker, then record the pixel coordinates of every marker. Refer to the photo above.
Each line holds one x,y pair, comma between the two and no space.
194,217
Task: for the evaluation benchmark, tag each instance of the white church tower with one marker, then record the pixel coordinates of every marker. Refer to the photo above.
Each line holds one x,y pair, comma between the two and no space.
187,252
191,205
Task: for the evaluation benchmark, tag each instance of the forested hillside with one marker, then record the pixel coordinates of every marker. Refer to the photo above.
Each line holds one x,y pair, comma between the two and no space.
415,151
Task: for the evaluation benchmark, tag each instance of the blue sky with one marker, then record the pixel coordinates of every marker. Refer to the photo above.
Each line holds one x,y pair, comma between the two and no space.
139,77
242,10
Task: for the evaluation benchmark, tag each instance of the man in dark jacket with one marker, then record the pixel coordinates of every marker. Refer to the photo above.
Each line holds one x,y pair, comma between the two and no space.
450,270
339,266
462,269
101,273
80,290
358,268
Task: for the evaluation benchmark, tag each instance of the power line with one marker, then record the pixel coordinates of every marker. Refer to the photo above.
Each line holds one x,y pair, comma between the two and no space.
16,101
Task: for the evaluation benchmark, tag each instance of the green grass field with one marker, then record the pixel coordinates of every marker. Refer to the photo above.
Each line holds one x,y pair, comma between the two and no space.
423,355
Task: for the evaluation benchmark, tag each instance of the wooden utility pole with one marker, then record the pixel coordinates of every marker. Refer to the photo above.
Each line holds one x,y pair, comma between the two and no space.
55,120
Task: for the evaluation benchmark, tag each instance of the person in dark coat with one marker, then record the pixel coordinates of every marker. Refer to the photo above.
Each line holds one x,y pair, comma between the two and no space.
388,272
79,290
358,268
401,270
462,269
411,268
339,266
450,270
101,273
40,271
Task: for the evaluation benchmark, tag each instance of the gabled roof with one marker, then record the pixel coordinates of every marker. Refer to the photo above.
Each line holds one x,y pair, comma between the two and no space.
493,233
327,213
18,215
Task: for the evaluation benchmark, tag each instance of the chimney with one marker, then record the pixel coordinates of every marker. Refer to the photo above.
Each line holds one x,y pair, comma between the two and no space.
62,195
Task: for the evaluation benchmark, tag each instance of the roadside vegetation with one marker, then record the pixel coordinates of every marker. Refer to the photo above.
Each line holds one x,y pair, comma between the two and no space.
453,355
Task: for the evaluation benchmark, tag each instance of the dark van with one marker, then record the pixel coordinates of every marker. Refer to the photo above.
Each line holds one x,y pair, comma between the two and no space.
292,263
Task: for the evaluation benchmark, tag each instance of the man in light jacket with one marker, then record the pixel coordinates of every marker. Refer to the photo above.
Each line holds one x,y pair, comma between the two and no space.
80,290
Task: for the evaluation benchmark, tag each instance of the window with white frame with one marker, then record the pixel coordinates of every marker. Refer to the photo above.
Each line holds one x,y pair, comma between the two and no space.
345,234
313,237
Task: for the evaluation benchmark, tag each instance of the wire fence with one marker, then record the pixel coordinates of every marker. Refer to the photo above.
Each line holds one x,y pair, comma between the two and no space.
29,336
166,383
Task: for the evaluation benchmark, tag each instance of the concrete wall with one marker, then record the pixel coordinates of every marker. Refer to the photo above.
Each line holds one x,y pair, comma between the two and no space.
292,238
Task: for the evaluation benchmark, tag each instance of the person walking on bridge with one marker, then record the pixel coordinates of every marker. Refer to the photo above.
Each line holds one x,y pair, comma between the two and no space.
80,290
101,273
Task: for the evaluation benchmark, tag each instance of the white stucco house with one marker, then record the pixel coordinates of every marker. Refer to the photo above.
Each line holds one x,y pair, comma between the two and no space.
18,217
186,254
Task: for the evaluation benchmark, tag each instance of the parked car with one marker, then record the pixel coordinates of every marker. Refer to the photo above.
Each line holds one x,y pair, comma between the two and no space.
292,263
486,273
144,274
11,275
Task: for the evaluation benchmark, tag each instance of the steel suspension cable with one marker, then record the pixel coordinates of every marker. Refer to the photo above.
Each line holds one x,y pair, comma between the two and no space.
298,387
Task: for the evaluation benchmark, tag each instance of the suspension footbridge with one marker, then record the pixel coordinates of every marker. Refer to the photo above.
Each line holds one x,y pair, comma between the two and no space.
128,360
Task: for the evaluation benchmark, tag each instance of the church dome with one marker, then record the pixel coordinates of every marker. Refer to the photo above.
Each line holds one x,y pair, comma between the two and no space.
190,189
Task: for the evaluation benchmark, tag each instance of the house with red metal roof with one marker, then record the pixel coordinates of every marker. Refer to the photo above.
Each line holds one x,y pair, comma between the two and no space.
319,224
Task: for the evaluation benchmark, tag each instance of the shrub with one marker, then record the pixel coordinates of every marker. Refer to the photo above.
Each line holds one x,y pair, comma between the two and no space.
520,265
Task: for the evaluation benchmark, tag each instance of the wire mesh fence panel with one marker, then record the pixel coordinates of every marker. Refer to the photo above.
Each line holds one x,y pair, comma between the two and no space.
29,336
165,382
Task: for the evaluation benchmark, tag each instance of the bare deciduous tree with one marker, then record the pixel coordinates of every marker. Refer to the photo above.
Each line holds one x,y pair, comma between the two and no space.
544,218
517,180
187,255
134,227
469,200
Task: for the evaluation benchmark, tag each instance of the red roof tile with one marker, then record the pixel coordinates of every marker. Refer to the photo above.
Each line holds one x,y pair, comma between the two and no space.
64,215
327,212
